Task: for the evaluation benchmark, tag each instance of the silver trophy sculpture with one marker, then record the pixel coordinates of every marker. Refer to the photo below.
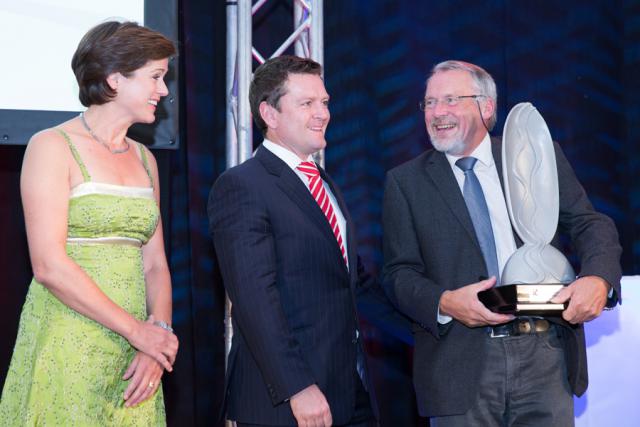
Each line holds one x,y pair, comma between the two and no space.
536,271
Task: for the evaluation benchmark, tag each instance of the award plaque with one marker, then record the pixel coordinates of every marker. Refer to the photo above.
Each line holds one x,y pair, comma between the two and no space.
522,299
536,271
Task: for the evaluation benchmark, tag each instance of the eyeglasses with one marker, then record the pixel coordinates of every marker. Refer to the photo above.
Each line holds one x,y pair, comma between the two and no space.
449,101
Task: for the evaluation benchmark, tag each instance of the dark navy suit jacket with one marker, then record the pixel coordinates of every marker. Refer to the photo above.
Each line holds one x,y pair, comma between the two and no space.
294,312
430,246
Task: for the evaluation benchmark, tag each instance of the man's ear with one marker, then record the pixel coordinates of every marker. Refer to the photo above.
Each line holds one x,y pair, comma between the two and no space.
269,114
488,108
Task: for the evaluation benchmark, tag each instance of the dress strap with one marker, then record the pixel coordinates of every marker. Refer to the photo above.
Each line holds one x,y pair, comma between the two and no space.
76,156
145,162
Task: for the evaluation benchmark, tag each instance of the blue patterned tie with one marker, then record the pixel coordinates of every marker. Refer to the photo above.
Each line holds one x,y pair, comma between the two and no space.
479,212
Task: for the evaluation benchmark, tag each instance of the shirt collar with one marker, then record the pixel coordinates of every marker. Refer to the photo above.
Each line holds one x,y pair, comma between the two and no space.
290,158
482,153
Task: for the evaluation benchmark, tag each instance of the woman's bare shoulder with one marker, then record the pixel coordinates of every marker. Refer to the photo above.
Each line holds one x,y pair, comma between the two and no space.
48,147
49,140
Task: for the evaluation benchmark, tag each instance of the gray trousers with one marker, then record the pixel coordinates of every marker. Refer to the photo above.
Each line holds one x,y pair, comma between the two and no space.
524,383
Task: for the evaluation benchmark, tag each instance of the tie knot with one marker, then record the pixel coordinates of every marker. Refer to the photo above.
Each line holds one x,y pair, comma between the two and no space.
466,163
309,169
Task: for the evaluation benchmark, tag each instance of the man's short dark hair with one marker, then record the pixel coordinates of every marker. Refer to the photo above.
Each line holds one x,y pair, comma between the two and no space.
269,82
114,47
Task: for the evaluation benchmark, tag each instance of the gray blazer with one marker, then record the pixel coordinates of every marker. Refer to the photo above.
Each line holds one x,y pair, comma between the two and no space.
430,246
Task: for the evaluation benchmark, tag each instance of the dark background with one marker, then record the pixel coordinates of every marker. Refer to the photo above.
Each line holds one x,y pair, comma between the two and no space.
577,61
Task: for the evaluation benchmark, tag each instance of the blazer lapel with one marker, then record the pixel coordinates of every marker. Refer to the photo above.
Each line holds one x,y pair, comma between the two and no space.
496,150
295,189
439,170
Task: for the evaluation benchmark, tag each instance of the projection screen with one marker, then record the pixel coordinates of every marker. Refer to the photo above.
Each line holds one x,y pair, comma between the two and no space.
37,87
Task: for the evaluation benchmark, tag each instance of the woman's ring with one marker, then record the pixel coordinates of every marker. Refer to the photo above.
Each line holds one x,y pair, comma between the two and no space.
150,384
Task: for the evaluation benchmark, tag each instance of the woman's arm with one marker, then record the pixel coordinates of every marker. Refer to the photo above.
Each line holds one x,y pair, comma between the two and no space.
156,270
45,188
144,373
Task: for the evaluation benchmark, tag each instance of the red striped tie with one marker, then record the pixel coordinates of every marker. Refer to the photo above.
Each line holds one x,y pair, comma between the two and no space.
318,192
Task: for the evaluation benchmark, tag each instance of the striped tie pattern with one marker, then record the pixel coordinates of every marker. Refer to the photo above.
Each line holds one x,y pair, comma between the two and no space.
318,192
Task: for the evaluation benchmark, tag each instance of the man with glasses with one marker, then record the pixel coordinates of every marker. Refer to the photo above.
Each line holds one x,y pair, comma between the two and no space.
447,236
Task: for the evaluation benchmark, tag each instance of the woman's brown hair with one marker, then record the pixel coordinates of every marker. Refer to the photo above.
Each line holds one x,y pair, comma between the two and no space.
114,47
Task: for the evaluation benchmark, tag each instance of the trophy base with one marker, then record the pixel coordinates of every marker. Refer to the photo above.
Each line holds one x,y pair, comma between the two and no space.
523,299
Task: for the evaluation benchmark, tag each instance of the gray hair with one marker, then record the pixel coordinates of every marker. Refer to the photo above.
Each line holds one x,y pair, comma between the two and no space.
483,81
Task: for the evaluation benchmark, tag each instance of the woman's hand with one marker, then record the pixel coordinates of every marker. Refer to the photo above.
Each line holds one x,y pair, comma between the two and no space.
144,374
156,342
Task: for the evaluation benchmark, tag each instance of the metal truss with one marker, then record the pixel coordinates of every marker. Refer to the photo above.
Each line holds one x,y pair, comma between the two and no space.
308,40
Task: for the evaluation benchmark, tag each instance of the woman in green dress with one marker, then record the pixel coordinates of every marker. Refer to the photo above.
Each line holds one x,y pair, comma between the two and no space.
95,335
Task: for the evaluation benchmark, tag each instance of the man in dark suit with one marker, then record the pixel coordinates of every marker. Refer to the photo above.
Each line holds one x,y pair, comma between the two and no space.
473,367
287,251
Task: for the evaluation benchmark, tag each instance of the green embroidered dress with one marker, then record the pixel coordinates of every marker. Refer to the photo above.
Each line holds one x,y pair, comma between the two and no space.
66,369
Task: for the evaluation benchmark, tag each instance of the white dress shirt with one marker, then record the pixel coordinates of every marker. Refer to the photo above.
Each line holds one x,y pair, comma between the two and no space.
292,160
485,170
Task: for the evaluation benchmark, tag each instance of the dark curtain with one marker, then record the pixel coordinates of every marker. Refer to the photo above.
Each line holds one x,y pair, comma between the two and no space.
576,61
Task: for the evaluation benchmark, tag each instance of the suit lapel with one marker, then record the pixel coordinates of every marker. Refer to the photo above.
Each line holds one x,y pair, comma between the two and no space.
295,189
439,170
496,150
350,232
